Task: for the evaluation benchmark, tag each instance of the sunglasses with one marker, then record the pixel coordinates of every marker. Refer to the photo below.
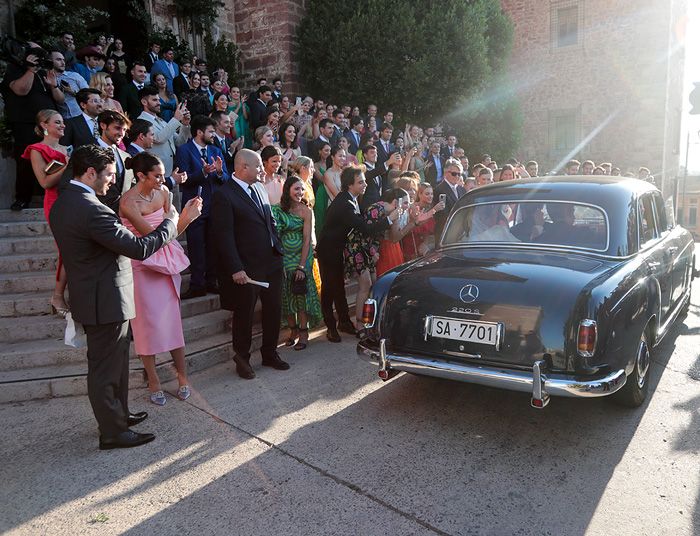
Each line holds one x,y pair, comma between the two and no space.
454,173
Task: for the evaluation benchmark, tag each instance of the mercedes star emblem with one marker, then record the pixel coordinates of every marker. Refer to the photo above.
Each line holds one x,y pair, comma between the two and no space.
469,293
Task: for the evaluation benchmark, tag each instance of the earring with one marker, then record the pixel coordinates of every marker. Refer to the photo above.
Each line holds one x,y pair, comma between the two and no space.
46,132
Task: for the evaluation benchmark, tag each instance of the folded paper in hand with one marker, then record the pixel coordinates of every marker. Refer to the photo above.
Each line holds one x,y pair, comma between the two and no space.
262,284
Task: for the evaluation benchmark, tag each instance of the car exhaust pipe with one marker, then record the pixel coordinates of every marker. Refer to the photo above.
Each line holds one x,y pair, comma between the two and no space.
540,398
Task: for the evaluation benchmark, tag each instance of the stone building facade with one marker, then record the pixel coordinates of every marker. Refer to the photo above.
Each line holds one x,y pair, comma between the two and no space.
607,70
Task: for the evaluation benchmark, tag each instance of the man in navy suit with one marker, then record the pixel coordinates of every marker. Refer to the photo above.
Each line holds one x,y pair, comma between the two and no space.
354,135
83,129
167,67
204,164
248,247
383,144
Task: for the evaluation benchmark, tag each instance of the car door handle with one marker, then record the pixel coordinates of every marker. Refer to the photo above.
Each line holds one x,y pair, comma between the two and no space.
653,264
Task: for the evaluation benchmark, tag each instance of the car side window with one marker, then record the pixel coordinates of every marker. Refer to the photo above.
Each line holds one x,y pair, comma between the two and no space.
661,213
647,224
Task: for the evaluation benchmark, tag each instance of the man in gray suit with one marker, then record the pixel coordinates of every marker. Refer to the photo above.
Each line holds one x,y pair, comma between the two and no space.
95,248
168,136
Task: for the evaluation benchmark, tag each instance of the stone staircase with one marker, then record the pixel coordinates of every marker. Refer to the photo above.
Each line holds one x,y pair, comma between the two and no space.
34,362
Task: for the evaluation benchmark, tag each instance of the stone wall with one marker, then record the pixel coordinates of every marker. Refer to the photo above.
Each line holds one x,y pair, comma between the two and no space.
620,74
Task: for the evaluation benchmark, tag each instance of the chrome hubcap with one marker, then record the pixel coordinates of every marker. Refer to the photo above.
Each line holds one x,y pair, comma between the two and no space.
643,362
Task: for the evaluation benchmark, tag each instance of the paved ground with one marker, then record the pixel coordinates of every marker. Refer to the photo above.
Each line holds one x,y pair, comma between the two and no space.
327,449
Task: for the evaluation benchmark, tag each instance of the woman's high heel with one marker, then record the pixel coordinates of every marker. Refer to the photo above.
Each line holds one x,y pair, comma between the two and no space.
59,311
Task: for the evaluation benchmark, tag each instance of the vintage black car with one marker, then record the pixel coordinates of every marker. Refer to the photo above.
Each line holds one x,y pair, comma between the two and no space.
556,286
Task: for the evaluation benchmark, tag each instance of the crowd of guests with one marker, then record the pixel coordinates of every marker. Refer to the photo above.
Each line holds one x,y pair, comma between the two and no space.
282,200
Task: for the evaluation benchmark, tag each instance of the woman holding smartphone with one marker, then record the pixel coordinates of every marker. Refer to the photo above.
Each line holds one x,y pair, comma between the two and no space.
157,326
49,159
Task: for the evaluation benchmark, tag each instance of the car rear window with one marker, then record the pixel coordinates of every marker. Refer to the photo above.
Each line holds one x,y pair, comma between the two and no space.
530,222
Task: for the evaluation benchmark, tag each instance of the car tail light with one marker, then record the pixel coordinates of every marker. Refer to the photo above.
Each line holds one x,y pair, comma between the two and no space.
369,312
587,335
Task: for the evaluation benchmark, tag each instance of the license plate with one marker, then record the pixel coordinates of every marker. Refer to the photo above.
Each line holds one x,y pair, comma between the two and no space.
464,330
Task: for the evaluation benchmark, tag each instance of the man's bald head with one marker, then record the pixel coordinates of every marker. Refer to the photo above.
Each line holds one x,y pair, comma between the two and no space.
247,165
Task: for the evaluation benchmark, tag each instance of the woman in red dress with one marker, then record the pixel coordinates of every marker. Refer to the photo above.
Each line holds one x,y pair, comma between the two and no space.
48,152
421,239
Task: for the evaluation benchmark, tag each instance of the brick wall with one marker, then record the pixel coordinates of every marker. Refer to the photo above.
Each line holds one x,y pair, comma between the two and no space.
619,68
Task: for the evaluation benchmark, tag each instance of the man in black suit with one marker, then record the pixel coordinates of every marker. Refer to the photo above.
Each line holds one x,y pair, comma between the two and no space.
84,129
96,250
258,108
222,137
375,175
182,80
338,121
448,151
142,139
354,135
383,144
343,215
129,96
248,248
434,165
452,189
151,57
325,129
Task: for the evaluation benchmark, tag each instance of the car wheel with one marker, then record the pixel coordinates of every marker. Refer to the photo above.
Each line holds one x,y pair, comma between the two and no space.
636,387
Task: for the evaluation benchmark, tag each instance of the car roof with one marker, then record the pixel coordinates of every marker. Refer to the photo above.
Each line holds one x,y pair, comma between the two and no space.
606,192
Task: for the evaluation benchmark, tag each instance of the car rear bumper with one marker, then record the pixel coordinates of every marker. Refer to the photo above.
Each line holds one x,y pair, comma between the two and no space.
538,382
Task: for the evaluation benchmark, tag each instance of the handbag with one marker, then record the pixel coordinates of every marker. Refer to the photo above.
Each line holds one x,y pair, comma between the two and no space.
298,288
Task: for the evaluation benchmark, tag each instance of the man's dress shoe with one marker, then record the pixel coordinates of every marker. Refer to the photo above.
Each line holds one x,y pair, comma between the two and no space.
134,418
332,335
243,368
275,362
347,328
125,440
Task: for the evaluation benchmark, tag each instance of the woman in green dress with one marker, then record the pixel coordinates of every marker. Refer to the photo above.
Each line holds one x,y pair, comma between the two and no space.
239,106
295,225
322,199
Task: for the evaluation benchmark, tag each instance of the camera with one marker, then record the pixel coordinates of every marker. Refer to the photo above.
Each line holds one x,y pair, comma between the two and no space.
16,52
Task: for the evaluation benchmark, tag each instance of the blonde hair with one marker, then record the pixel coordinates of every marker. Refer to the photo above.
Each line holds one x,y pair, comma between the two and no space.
300,162
98,81
260,132
43,117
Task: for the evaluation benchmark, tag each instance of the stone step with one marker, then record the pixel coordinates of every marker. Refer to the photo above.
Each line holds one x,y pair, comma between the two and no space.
35,244
24,229
48,352
16,283
32,214
28,262
198,312
71,379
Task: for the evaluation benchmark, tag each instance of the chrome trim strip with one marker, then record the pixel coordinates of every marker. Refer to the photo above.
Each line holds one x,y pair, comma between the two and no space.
514,380
663,330
462,354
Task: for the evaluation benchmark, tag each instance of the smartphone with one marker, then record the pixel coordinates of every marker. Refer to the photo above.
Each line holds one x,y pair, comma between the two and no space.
298,101
199,191
442,198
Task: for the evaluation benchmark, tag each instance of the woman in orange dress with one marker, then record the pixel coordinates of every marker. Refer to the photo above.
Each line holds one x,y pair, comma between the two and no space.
50,126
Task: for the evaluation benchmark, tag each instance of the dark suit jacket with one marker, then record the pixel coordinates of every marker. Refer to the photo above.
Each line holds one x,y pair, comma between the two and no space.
354,143
376,185
148,62
316,147
189,159
445,153
341,218
245,238
258,114
77,133
129,99
180,85
224,147
431,171
95,246
382,155
450,200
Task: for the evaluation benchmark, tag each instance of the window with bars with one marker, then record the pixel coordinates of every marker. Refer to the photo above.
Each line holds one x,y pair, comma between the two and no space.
566,18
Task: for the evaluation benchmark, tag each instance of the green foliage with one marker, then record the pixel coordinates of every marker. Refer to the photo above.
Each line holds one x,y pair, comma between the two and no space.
222,53
201,14
166,38
428,62
43,20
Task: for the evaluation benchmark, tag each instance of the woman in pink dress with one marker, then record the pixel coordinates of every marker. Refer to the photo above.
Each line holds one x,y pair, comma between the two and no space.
51,127
157,326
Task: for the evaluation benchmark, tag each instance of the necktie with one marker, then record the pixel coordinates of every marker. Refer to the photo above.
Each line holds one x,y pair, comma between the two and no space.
255,198
139,86
95,129
203,152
